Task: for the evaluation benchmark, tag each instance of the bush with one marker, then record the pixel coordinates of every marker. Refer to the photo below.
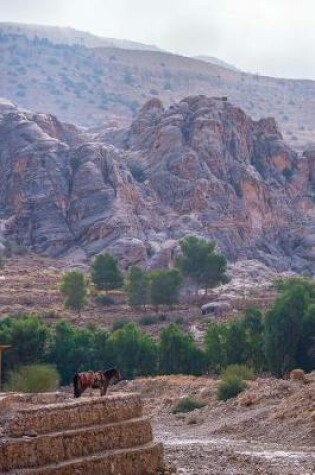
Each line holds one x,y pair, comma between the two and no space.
120,323
2,262
237,370
149,320
230,387
187,404
104,300
138,172
35,378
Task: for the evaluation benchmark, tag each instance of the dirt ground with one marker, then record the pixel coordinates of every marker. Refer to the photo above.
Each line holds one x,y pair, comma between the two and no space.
267,430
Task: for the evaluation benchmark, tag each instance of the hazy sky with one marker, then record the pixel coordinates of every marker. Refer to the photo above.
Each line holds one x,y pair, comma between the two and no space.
274,37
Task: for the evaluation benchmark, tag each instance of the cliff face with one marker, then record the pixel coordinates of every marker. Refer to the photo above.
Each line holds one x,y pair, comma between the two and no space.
206,169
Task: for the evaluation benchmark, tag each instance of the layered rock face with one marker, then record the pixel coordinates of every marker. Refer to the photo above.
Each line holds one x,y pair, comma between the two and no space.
206,169
91,436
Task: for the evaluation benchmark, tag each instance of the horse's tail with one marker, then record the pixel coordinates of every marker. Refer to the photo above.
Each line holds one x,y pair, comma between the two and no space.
76,385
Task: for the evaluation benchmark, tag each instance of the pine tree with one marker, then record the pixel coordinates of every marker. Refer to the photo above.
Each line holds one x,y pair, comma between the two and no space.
138,287
73,289
105,273
201,263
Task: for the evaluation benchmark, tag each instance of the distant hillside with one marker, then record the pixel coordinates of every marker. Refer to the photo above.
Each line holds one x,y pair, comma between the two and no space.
88,86
71,36
217,61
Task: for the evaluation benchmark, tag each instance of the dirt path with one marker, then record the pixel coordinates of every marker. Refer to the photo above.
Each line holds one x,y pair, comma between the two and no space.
222,456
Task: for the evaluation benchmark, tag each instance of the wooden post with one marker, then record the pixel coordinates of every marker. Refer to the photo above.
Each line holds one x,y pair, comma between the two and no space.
2,349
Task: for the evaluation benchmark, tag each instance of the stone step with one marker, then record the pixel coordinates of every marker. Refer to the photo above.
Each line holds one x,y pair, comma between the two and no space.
55,448
144,460
72,414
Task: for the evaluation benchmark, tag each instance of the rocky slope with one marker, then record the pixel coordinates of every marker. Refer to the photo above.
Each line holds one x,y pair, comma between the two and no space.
200,167
42,69
268,429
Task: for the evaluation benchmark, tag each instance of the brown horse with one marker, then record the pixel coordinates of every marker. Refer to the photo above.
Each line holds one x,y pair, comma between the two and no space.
100,379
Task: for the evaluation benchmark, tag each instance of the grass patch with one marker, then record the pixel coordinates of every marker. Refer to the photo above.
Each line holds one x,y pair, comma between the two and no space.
35,378
237,370
187,404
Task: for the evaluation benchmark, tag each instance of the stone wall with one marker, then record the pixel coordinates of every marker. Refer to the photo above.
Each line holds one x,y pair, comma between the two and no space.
90,435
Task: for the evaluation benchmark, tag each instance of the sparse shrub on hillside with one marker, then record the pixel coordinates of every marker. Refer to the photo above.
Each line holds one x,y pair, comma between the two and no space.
35,378
14,248
237,370
188,404
230,387
119,323
104,300
287,173
149,320
138,172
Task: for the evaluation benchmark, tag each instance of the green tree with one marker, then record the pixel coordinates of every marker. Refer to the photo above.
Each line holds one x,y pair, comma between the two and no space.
201,263
165,286
254,334
73,289
306,347
283,328
178,353
138,287
215,346
105,273
235,343
29,337
132,351
78,349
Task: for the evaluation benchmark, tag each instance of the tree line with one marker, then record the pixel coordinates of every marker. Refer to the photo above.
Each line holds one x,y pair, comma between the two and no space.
278,341
199,264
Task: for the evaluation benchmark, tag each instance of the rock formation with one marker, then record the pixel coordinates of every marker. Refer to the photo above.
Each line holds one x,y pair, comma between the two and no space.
200,167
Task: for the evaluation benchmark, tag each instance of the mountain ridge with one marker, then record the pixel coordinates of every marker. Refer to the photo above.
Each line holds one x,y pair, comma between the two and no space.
90,86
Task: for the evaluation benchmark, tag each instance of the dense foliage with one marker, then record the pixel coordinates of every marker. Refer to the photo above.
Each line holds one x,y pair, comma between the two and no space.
282,339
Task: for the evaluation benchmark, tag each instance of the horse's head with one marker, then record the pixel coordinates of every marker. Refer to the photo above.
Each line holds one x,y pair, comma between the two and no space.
113,374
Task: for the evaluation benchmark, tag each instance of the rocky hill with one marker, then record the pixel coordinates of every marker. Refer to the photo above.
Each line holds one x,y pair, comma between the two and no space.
63,72
200,167
60,35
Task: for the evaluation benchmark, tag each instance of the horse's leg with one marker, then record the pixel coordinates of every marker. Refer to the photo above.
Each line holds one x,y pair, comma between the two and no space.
91,390
104,387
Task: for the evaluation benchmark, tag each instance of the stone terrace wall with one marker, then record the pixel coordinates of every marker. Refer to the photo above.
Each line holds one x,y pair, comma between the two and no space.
90,435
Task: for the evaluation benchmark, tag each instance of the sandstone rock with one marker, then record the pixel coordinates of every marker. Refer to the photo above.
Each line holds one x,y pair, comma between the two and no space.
210,171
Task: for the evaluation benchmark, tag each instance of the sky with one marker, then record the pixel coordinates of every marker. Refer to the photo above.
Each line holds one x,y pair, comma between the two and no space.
270,37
